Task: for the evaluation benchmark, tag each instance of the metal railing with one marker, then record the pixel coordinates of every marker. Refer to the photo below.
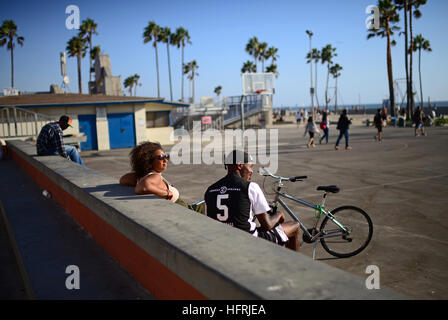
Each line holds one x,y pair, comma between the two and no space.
17,122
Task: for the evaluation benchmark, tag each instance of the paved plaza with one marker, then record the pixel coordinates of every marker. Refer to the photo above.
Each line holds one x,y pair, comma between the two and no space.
401,183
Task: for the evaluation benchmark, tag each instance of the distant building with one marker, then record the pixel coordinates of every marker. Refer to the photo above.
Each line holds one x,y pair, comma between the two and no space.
105,83
109,122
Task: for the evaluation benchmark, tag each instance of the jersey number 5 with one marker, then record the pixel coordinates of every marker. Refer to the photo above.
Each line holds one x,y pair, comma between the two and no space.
224,216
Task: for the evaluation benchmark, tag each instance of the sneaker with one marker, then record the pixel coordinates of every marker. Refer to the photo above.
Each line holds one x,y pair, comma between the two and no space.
348,148
313,145
336,147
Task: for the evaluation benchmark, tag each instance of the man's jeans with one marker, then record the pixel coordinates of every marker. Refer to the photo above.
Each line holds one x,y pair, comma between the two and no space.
342,133
71,151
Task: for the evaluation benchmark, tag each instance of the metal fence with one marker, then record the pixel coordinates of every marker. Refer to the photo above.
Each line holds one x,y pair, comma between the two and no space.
16,122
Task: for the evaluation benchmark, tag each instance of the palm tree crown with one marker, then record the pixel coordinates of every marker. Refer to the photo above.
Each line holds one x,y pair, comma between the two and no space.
151,33
76,47
8,33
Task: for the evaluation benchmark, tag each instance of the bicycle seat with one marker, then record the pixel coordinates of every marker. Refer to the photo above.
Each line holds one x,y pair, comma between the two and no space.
332,189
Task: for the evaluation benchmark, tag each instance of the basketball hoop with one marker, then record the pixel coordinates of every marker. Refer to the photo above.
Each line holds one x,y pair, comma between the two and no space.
260,91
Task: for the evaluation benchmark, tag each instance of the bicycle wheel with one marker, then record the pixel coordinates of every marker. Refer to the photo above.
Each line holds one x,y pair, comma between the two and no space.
346,244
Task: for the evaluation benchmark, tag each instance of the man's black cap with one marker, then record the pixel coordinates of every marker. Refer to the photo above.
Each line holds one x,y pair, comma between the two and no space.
66,119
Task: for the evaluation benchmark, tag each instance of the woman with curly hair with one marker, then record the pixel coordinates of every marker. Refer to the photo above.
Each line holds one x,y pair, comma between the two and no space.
148,161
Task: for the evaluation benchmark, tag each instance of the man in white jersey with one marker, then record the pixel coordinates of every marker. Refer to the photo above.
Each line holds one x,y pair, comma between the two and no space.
236,201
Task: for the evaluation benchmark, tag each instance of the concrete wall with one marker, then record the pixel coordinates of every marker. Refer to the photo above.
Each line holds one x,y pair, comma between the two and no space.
176,253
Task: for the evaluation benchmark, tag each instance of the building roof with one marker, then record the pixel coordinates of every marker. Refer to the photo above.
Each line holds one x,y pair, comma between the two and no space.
53,100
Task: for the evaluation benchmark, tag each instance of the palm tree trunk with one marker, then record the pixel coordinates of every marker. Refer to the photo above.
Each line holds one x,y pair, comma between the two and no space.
315,84
12,67
182,67
90,59
79,74
336,94
411,45
192,96
157,67
326,87
408,107
390,74
169,70
420,75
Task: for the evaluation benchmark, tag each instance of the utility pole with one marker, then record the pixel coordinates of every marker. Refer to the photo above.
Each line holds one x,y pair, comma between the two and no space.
310,34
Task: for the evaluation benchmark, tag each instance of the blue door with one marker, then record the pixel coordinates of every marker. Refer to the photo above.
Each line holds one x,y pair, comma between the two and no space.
121,130
87,125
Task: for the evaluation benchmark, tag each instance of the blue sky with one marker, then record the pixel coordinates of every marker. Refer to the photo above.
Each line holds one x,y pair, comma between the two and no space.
219,32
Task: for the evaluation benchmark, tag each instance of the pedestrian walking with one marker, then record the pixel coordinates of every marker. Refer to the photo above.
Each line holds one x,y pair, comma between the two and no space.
325,126
312,129
343,126
418,120
378,121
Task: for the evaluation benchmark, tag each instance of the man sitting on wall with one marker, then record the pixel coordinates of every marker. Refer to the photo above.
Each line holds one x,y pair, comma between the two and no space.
50,141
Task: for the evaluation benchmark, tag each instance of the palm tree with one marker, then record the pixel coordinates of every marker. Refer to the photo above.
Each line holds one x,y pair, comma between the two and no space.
417,14
182,38
8,33
421,44
87,29
252,48
167,37
136,77
76,47
96,50
190,69
249,66
271,53
218,92
272,68
328,53
316,56
388,18
129,83
151,33
262,51
334,70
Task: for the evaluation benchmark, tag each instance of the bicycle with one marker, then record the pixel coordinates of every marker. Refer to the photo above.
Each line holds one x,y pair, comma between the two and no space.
343,237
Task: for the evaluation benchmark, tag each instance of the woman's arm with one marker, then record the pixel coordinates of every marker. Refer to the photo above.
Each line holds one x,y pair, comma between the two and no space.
152,185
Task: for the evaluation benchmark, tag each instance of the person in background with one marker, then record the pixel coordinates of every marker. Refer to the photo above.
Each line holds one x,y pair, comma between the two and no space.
343,126
312,129
418,120
51,142
378,122
325,126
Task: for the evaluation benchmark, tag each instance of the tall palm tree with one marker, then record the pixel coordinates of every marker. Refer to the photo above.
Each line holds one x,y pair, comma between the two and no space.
334,70
87,29
417,14
314,56
182,38
96,50
76,47
248,66
8,33
136,77
262,51
252,48
421,44
328,53
190,69
167,37
151,33
388,18
271,53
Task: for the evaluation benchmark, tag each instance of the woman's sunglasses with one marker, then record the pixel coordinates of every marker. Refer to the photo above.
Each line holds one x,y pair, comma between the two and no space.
163,156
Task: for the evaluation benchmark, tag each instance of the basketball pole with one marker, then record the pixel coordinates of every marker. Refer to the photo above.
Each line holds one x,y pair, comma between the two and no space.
242,120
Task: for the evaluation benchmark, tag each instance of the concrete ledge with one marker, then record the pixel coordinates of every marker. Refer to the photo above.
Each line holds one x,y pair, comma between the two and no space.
178,254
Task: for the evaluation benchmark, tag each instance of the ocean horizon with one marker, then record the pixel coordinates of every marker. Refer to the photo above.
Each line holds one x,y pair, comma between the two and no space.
362,105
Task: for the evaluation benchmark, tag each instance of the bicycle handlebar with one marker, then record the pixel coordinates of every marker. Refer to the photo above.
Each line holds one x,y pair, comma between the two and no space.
265,172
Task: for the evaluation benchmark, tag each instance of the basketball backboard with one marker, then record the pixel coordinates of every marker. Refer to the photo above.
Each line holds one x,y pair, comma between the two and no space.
258,83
